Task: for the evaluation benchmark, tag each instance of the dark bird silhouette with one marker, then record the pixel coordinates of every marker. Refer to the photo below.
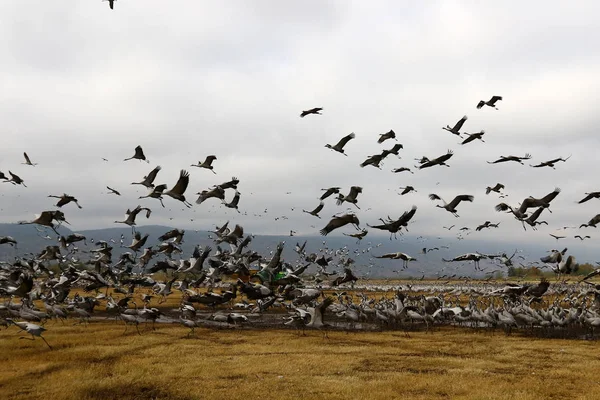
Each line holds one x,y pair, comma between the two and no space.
316,111
149,179
352,197
557,237
457,127
338,222
177,191
347,277
317,210
234,202
592,222
402,169
407,190
491,102
65,199
28,161
496,188
394,226
532,219
550,163
139,155
207,163
329,192
385,136
582,237
111,3
132,214
113,191
451,207
441,160
217,193
339,147
589,196
473,136
511,158
46,218
358,236
16,179
374,160
395,150
156,193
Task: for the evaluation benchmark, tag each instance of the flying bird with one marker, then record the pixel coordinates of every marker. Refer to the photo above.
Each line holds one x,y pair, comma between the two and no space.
496,188
407,190
15,179
589,196
457,127
441,160
451,207
491,102
156,193
113,191
132,214
180,187
139,155
317,210
207,163
338,222
511,158
582,237
473,136
592,222
385,136
398,256
557,237
402,169
329,192
65,199
550,163
351,197
316,111
111,3
339,147
149,179
234,202
28,161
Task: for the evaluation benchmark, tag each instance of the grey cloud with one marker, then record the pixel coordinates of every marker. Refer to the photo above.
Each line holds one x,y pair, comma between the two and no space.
80,83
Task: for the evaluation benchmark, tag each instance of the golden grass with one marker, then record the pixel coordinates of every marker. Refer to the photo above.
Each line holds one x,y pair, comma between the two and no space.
99,362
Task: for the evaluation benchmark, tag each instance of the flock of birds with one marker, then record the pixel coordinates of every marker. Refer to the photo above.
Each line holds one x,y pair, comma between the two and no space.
267,282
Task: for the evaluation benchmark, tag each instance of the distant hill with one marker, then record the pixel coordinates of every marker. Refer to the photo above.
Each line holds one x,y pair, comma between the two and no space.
32,241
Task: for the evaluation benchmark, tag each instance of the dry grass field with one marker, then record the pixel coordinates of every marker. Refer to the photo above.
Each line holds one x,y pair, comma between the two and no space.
100,362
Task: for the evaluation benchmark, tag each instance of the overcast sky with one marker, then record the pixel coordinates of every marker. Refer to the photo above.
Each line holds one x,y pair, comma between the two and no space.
80,82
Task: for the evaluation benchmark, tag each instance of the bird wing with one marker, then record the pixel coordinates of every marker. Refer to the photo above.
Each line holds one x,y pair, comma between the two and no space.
152,175
459,198
345,140
434,196
139,152
550,196
495,99
182,182
27,160
318,208
443,158
459,124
